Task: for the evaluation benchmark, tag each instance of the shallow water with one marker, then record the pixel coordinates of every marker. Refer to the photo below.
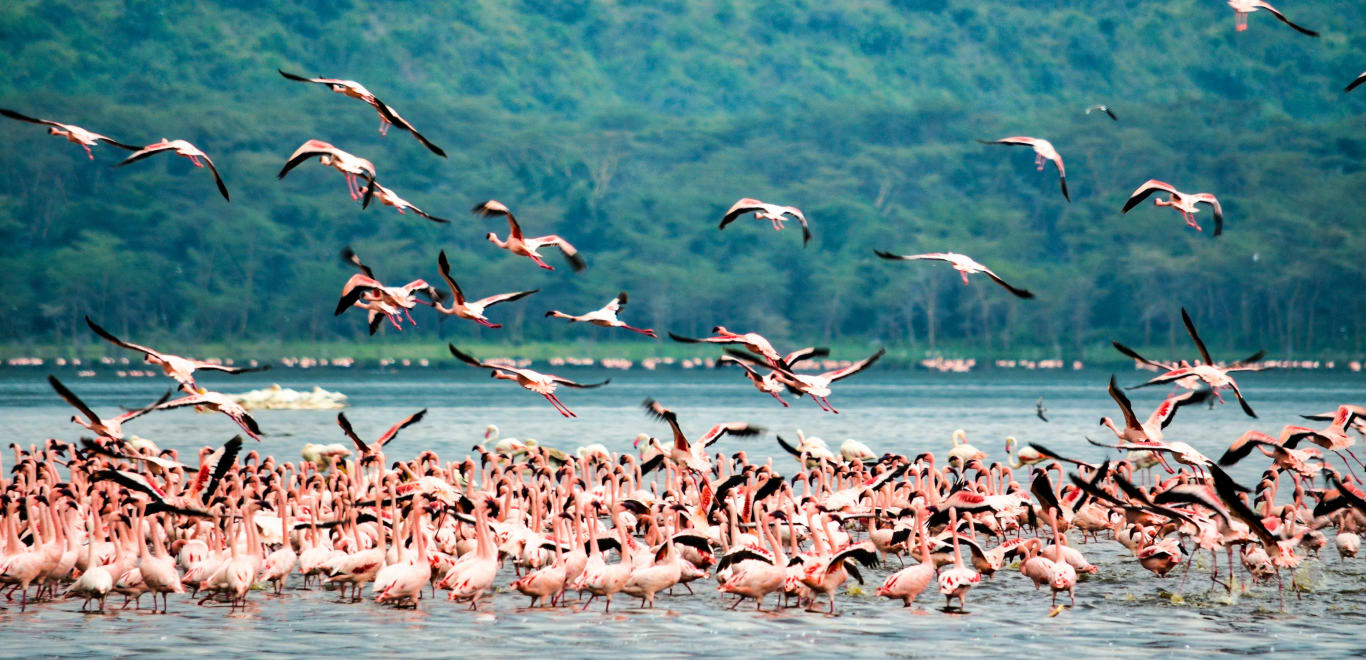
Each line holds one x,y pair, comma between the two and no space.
1123,610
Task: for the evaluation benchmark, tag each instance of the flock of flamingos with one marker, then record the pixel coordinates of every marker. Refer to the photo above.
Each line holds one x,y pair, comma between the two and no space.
114,514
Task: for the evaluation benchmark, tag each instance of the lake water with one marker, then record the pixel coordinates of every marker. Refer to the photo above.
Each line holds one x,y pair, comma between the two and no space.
1121,611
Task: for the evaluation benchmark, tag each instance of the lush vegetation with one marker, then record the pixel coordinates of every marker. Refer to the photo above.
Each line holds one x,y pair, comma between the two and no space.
629,127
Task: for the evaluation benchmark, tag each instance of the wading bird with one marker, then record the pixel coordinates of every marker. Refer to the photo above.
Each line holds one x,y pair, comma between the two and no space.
1213,374
389,198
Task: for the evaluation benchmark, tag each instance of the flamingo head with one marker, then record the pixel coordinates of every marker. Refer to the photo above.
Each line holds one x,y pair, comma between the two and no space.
640,437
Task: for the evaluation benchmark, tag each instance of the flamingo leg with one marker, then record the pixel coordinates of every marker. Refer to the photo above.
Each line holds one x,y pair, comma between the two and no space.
393,318
410,316
570,413
87,152
780,399
828,406
195,160
540,262
486,324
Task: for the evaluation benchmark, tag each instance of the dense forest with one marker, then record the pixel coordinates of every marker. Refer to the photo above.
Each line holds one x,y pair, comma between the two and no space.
629,127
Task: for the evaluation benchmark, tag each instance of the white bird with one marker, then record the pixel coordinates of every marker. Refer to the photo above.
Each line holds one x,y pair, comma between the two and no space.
605,317
1102,108
180,148
962,263
1043,151
74,133
771,212
1184,203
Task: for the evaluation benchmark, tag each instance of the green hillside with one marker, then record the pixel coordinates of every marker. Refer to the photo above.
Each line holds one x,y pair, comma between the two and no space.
629,128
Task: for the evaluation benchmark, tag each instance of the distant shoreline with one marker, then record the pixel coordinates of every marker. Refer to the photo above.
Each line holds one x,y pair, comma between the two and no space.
663,355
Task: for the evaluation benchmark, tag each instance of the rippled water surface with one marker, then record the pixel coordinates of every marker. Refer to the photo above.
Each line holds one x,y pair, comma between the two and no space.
1123,610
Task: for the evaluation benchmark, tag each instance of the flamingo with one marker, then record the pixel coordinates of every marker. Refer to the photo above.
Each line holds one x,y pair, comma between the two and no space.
104,428
387,115
772,212
1184,203
962,451
203,399
352,167
767,383
962,263
751,341
157,568
694,455
406,579
180,148
1214,375
605,317
1241,8
1026,456
1043,152
180,369
957,581
71,132
533,381
388,197
378,445
96,581
472,310
518,244
909,582
1102,108
817,386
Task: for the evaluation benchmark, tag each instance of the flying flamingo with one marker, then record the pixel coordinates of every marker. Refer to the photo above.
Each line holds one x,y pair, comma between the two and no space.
378,445
105,428
179,368
817,386
180,148
1214,375
1184,203
203,399
771,212
352,167
1043,152
962,263
471,309
365,292
542,384
1241,8
387,115
767,383
752,341
73,133
694,455
390,198
1102,108
1149,431
520,245
605,317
